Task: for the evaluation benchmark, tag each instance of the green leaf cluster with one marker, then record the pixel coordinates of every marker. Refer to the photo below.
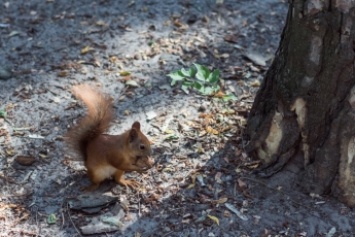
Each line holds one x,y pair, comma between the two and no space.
198,77
3,113
52,219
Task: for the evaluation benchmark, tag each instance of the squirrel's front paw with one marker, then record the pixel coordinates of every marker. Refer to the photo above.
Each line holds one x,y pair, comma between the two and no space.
129,183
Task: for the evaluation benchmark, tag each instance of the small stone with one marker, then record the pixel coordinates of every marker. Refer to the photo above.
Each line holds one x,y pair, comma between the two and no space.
151,115
5,73
25,160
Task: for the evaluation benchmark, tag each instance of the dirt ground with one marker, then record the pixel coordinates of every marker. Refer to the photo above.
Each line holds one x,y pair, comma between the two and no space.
202,183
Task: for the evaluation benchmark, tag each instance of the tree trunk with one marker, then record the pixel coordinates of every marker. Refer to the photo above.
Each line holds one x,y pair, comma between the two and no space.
304,113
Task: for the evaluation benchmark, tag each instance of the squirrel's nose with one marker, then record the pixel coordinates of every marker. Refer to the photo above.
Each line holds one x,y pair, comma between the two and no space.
150,162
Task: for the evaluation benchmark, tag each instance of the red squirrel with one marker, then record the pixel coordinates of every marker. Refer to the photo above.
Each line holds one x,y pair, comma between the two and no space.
107,155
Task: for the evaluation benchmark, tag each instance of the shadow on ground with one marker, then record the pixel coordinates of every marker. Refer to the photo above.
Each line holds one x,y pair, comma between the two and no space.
201,185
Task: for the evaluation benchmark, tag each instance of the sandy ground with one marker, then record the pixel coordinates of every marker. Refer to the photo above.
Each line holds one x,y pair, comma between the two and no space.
202,183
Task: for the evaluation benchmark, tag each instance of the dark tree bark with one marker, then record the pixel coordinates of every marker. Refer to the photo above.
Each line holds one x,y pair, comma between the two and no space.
304,113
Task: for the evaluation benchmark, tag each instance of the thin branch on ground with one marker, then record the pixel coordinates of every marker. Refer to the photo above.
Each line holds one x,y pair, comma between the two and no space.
71,220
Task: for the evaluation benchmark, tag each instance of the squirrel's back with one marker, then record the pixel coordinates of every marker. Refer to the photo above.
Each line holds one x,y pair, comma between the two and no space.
97,120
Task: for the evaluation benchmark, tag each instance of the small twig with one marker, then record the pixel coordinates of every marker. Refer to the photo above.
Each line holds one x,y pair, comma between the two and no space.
68,210
22,129
12,196
34,209
168,233
8,121
24,232
243,142
3,25
26,178
151,173
39,122
139,207
7,179
194,138
35,137
63,219
37,222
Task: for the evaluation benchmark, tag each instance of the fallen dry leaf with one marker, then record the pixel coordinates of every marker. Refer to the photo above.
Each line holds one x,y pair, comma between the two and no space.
10,151
200,179
101,23
13,33
25,160
113,59
224,55
236,211
62,74
219,94
227,214
132,83
218,177
256,58
252,165
193,181
87,49
126,78
231,38
124,73
242,185
169,131
255,83
211,130
177,23
16,212
214,218
222,200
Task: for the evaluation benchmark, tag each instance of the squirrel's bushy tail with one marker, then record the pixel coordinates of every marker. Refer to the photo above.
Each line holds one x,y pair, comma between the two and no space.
97,120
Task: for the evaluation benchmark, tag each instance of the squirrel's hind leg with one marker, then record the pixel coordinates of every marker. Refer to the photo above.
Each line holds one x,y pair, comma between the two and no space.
95,181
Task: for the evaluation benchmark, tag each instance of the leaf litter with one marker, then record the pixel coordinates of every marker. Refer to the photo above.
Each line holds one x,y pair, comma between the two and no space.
197,186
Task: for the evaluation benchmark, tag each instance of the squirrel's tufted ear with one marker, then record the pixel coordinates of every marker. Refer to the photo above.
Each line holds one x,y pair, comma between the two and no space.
136,125
133,134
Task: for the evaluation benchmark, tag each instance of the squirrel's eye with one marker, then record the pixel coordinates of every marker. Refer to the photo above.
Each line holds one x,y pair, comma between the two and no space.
141,146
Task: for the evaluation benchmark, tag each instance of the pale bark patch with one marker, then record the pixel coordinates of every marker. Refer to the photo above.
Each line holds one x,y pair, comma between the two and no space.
352,98
315,51
307,81
300,109
346,29
344,5
272,142
314,6
351,151
347,172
